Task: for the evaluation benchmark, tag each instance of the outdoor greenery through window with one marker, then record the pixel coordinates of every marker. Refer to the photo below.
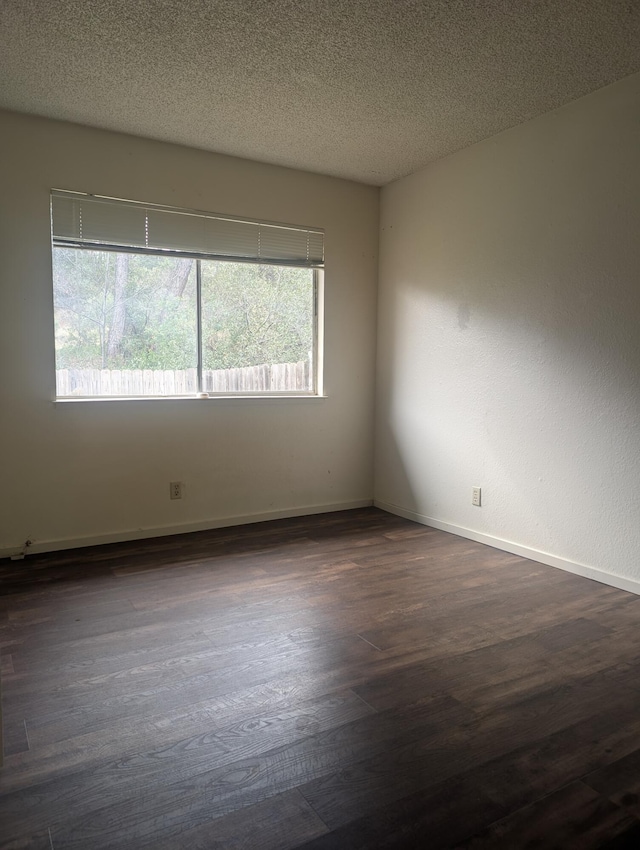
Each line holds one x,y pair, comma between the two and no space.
174,321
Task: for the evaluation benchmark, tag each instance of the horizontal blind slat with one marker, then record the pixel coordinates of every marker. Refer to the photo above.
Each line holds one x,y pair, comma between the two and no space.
213,236
88,219
278,243
115,224
65,217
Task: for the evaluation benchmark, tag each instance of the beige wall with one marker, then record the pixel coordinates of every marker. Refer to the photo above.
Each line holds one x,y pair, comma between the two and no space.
509,339
100,470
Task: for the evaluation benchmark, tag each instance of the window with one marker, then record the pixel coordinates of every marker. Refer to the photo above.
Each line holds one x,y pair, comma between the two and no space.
156,301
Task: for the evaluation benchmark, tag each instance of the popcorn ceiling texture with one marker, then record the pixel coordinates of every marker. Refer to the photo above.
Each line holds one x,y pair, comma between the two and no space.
365,89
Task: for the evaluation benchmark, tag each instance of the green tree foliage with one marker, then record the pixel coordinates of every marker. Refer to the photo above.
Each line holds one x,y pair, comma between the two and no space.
255,314
131,311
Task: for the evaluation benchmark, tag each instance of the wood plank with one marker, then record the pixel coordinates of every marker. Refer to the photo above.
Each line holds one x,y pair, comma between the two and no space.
434,819
284,821
348,680
572,817
118,772
36,841
620,782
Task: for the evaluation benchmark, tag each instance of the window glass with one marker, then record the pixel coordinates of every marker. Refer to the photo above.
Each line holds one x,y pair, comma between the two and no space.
257,327
128,324
125,324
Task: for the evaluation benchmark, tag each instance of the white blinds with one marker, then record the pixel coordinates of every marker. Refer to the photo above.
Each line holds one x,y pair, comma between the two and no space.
91,220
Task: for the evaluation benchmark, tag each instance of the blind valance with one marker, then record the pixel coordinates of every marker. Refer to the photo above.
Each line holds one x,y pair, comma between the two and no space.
94,221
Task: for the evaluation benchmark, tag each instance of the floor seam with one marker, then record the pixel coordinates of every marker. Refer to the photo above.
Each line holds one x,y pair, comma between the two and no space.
313,808
369,642
375,710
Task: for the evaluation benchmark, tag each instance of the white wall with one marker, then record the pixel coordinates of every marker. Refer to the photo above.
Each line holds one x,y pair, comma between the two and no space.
100,470
509,338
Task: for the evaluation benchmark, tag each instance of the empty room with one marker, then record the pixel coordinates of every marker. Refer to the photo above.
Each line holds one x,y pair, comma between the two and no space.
319,441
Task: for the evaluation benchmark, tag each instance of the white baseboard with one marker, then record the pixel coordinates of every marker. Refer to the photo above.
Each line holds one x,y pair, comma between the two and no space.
515,548
185,528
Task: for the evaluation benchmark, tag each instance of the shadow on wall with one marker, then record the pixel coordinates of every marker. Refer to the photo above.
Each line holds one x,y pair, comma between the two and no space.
509,355
392,467
508,343
506,386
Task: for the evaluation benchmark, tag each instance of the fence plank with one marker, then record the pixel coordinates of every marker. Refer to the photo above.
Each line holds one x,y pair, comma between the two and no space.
169,382
62,382
275,377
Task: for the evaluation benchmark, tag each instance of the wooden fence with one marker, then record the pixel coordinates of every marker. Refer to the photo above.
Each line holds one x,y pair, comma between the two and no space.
277,377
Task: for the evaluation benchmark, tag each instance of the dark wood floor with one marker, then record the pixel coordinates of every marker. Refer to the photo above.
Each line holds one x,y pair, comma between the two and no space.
345,681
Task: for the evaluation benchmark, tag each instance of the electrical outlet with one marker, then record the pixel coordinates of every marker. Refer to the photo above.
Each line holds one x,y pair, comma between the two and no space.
175,490
476,496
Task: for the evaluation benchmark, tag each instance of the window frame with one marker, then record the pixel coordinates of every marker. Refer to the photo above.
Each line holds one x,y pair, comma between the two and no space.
317,269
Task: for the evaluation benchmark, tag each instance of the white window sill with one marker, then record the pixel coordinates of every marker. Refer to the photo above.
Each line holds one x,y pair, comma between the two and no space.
182,398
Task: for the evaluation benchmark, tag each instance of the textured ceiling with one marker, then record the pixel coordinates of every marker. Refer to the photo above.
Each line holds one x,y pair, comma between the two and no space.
365,89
